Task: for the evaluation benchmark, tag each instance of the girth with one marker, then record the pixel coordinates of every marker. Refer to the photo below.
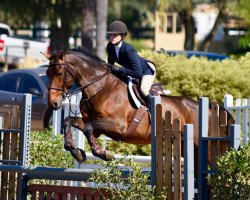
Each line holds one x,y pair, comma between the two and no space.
139,113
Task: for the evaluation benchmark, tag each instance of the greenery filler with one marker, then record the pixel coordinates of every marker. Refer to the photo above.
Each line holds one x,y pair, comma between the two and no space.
133,187
196,77
48,150
233,178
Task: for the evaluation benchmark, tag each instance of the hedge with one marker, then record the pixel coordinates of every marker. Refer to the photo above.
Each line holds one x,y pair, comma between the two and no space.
196,77
233,178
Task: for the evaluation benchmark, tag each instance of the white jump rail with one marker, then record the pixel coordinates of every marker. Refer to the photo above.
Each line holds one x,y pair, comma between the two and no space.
241,111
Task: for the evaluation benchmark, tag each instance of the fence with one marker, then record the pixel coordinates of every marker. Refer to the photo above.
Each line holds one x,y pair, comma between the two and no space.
168,135
211,138
9,147
12,138
15,170
161,163
48,192
214,138
241,109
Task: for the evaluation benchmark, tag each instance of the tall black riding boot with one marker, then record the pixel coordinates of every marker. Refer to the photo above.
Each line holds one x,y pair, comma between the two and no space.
148,101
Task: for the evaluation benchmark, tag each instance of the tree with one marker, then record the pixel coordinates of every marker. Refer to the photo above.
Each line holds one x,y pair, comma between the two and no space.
221,4
243,10
101,26
61,15
88,24
189,25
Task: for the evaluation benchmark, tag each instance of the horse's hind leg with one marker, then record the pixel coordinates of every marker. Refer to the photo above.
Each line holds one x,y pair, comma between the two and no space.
69,144
95,147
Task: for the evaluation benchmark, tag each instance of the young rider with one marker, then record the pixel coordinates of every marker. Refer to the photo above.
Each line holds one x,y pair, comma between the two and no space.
125,55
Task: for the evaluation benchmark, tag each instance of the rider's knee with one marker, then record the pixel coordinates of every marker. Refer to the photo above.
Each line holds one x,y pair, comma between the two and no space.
145,89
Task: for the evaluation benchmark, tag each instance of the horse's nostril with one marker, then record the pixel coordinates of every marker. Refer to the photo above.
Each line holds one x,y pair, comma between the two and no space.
55,104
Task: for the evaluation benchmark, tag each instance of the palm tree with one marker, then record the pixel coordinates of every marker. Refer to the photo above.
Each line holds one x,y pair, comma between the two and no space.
101,26
88,24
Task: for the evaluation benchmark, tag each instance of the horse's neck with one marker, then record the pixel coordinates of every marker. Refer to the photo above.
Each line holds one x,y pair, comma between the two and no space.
87,79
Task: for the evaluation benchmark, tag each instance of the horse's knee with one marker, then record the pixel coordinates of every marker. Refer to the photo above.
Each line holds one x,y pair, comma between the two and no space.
67,121
88,129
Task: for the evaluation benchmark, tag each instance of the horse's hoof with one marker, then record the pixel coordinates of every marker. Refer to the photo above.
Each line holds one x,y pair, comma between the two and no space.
80,156
109,156
67,147
83,156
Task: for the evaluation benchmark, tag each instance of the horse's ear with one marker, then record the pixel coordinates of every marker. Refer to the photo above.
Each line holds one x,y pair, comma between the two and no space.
47,55
61,55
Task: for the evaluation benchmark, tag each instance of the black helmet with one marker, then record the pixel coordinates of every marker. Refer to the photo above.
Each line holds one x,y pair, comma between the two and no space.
117,27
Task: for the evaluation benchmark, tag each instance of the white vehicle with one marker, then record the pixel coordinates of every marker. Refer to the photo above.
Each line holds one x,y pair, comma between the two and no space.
13,50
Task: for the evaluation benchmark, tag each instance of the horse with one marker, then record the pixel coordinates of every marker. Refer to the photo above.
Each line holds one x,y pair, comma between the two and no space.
106,106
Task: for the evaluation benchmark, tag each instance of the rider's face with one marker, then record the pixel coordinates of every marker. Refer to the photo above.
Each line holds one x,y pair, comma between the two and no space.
115,38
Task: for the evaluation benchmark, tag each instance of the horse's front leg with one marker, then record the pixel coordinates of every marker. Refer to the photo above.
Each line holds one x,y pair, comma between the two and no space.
95,147
69,144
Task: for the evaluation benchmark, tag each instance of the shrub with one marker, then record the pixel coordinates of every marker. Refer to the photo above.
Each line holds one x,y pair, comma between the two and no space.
47,149
233,178
134,187
196,77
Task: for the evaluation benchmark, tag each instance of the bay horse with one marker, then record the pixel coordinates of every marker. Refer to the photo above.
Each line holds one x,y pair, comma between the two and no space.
105,105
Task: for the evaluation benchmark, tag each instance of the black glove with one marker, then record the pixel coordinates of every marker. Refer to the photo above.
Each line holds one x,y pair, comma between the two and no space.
113,68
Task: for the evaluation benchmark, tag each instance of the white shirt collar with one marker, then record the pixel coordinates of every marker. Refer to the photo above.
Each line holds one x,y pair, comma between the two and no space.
117,48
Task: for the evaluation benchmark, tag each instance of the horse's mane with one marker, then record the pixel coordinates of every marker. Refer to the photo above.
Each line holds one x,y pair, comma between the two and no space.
83,53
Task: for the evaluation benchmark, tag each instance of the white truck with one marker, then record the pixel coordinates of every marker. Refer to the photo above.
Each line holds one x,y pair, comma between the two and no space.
13,50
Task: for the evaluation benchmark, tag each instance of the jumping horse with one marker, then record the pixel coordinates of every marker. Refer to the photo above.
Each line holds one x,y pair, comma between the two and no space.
106,107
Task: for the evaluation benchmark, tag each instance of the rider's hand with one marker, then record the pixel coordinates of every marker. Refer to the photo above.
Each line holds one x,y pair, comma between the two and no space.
113,68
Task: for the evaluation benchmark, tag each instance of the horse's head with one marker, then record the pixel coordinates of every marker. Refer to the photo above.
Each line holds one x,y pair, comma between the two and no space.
61,77
74,66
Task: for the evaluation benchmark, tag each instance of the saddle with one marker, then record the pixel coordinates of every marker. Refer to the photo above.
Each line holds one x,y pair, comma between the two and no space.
137,96
140,102
156,90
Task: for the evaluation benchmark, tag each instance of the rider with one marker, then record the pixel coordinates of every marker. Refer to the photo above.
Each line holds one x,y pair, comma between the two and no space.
125,55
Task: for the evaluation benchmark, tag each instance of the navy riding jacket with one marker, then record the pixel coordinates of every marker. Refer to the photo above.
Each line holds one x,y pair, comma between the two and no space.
132,64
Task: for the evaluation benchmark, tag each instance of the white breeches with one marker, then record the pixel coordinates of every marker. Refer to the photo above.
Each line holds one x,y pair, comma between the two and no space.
147,81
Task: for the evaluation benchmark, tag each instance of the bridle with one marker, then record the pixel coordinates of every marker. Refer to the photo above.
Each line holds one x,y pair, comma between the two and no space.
64,78
67,94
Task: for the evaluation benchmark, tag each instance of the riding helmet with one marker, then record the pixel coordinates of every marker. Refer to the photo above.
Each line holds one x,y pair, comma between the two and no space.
117,27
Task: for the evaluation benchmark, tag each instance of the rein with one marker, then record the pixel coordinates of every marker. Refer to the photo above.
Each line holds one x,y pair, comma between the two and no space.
79,88
69,94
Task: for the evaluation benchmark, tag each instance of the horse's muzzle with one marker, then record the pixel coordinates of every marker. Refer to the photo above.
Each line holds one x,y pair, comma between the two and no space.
55,105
